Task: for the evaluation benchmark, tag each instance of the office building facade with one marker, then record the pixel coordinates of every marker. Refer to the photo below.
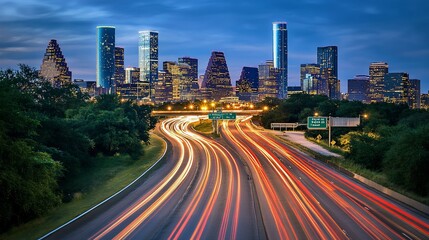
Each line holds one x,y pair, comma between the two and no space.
148,61
105,65
327,58
119,66
54,66
280,55
358,89
415,90
193,63
397,88
132,75
311,80
377,71
217,78
248,84
269,80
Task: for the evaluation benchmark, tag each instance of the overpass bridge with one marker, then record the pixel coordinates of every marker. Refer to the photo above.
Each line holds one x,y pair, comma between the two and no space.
203,112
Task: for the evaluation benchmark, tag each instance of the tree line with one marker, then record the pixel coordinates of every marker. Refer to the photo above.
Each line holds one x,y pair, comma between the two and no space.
393,140
49,135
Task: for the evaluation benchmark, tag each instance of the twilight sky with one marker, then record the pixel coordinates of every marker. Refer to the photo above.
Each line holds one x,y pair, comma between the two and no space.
393,31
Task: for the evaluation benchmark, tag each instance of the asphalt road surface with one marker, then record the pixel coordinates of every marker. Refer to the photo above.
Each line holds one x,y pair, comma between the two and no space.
245,185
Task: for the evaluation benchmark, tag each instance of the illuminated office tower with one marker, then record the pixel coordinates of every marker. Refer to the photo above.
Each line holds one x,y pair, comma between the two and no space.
269,80
377,71
148,61
327,58
164,87
132,75
54,67
119,66
216,77
248,84
310,79
358,88
105,58
193,63
415,93
397,88
181,79
280,55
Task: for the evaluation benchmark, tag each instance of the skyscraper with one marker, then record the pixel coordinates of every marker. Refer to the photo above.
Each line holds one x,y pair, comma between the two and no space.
148,60
54,67
310,79
164,87
105,57
280,55
132,75
269,80
193,63
358,88
217,77
119,66
327,58
415,93
248,84
397,88
377,71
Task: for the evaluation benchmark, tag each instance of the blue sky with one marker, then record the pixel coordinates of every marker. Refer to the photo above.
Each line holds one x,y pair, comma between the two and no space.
365,31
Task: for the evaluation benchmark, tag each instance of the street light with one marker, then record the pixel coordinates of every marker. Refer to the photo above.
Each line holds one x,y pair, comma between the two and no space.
316,114
265,108
169,108
213,105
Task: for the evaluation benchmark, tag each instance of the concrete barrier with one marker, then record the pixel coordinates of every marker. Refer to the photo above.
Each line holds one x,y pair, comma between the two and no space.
411,202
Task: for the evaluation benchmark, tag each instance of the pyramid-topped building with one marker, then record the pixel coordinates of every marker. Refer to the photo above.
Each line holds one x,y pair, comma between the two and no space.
217,77
54,67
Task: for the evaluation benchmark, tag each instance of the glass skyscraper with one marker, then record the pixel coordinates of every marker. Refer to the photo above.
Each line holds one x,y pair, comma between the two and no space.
105,57
327,58
377,71
148,61
119,66
358,88
280,55
193,63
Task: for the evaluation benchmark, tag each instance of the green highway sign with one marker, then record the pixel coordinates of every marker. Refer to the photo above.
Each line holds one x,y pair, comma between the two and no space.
229,115
215,116
317,123
220,116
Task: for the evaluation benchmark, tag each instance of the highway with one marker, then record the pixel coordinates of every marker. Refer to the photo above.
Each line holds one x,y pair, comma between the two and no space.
247,184
302,198
201,192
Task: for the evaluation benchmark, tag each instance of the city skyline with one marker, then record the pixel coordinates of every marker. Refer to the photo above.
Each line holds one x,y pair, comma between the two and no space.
364,32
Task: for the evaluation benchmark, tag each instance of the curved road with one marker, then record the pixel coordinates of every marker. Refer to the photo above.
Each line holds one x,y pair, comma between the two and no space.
245,185
202,192
303,198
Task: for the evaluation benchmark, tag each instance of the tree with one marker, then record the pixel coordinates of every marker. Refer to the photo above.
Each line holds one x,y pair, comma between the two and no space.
28,177
407,160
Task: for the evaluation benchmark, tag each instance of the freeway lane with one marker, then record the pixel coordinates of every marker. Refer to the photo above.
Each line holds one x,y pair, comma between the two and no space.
316,201
201,192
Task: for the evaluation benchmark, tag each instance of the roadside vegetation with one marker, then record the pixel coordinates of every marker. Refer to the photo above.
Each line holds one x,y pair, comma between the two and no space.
52,137
205,127
391,146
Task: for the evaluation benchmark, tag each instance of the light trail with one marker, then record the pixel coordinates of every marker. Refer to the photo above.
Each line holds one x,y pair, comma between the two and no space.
374,224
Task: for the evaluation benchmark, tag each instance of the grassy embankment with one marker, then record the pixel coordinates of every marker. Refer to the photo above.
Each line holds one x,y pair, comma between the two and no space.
347,165
205,127
105,178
